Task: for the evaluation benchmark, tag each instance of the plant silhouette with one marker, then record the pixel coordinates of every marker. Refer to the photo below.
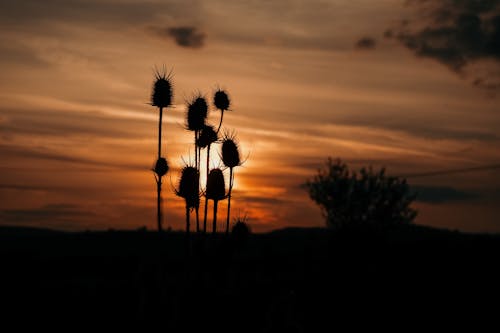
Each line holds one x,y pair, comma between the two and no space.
231,159
222,103
207,137
197,111
368,200
216,191
240,233
161,97
189,190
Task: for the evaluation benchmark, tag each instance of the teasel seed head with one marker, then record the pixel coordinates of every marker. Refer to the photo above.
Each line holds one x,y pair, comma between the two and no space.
207,136
221,100
230,151
189,186
162,90
161,167
197,112
216,186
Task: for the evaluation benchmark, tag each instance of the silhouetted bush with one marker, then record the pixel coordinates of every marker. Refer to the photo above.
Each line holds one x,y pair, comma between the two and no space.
367,200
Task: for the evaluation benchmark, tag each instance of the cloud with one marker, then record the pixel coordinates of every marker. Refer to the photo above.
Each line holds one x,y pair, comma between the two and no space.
459,34
29,188
68,123
97,12
271,201
17,152
52,213
440,194
366,43
184,36
15,54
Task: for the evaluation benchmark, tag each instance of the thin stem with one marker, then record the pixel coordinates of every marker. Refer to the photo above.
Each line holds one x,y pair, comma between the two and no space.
159,132
188,235
220,123
197,210
229,199
158,203
206,199
214,225
195,150
158,182
197,153
188,224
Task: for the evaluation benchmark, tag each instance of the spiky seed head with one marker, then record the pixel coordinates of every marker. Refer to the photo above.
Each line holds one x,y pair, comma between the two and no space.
189,186
240,232
207,136
221,100
197,114
162,90
161,167
230,151
241,227
216,186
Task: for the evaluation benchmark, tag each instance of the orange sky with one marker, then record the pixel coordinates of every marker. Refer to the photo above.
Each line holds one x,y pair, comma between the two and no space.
308,80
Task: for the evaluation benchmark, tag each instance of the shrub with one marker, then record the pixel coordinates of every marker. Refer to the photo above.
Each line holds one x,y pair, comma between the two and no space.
368,200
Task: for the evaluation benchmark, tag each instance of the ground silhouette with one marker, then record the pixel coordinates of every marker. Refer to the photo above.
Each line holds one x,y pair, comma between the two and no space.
294,280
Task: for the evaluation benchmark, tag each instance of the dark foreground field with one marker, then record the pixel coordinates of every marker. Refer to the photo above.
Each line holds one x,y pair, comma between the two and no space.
293,280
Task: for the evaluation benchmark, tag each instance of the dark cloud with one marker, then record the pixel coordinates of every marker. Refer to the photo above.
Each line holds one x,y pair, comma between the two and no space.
30,188
46,214
97,12
185,36
366,43
420,127
273,201
14,152
14,54
440,194
454,171
68,123
456,33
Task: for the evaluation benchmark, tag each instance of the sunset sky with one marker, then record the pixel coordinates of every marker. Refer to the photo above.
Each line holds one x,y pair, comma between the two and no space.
410,85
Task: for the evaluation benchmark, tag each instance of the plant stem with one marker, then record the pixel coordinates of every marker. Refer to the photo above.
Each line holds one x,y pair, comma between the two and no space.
159,133
229,199
188,224
197,153
220,123
158,203
214,226
188,235
206,199
158,181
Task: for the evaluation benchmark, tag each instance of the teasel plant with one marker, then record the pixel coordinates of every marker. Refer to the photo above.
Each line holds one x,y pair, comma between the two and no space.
231,158
189,189
161,97
222,103
207,137
197,112
216,191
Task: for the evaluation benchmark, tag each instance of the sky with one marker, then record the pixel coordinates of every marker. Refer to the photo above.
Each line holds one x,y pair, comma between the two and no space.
410,85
